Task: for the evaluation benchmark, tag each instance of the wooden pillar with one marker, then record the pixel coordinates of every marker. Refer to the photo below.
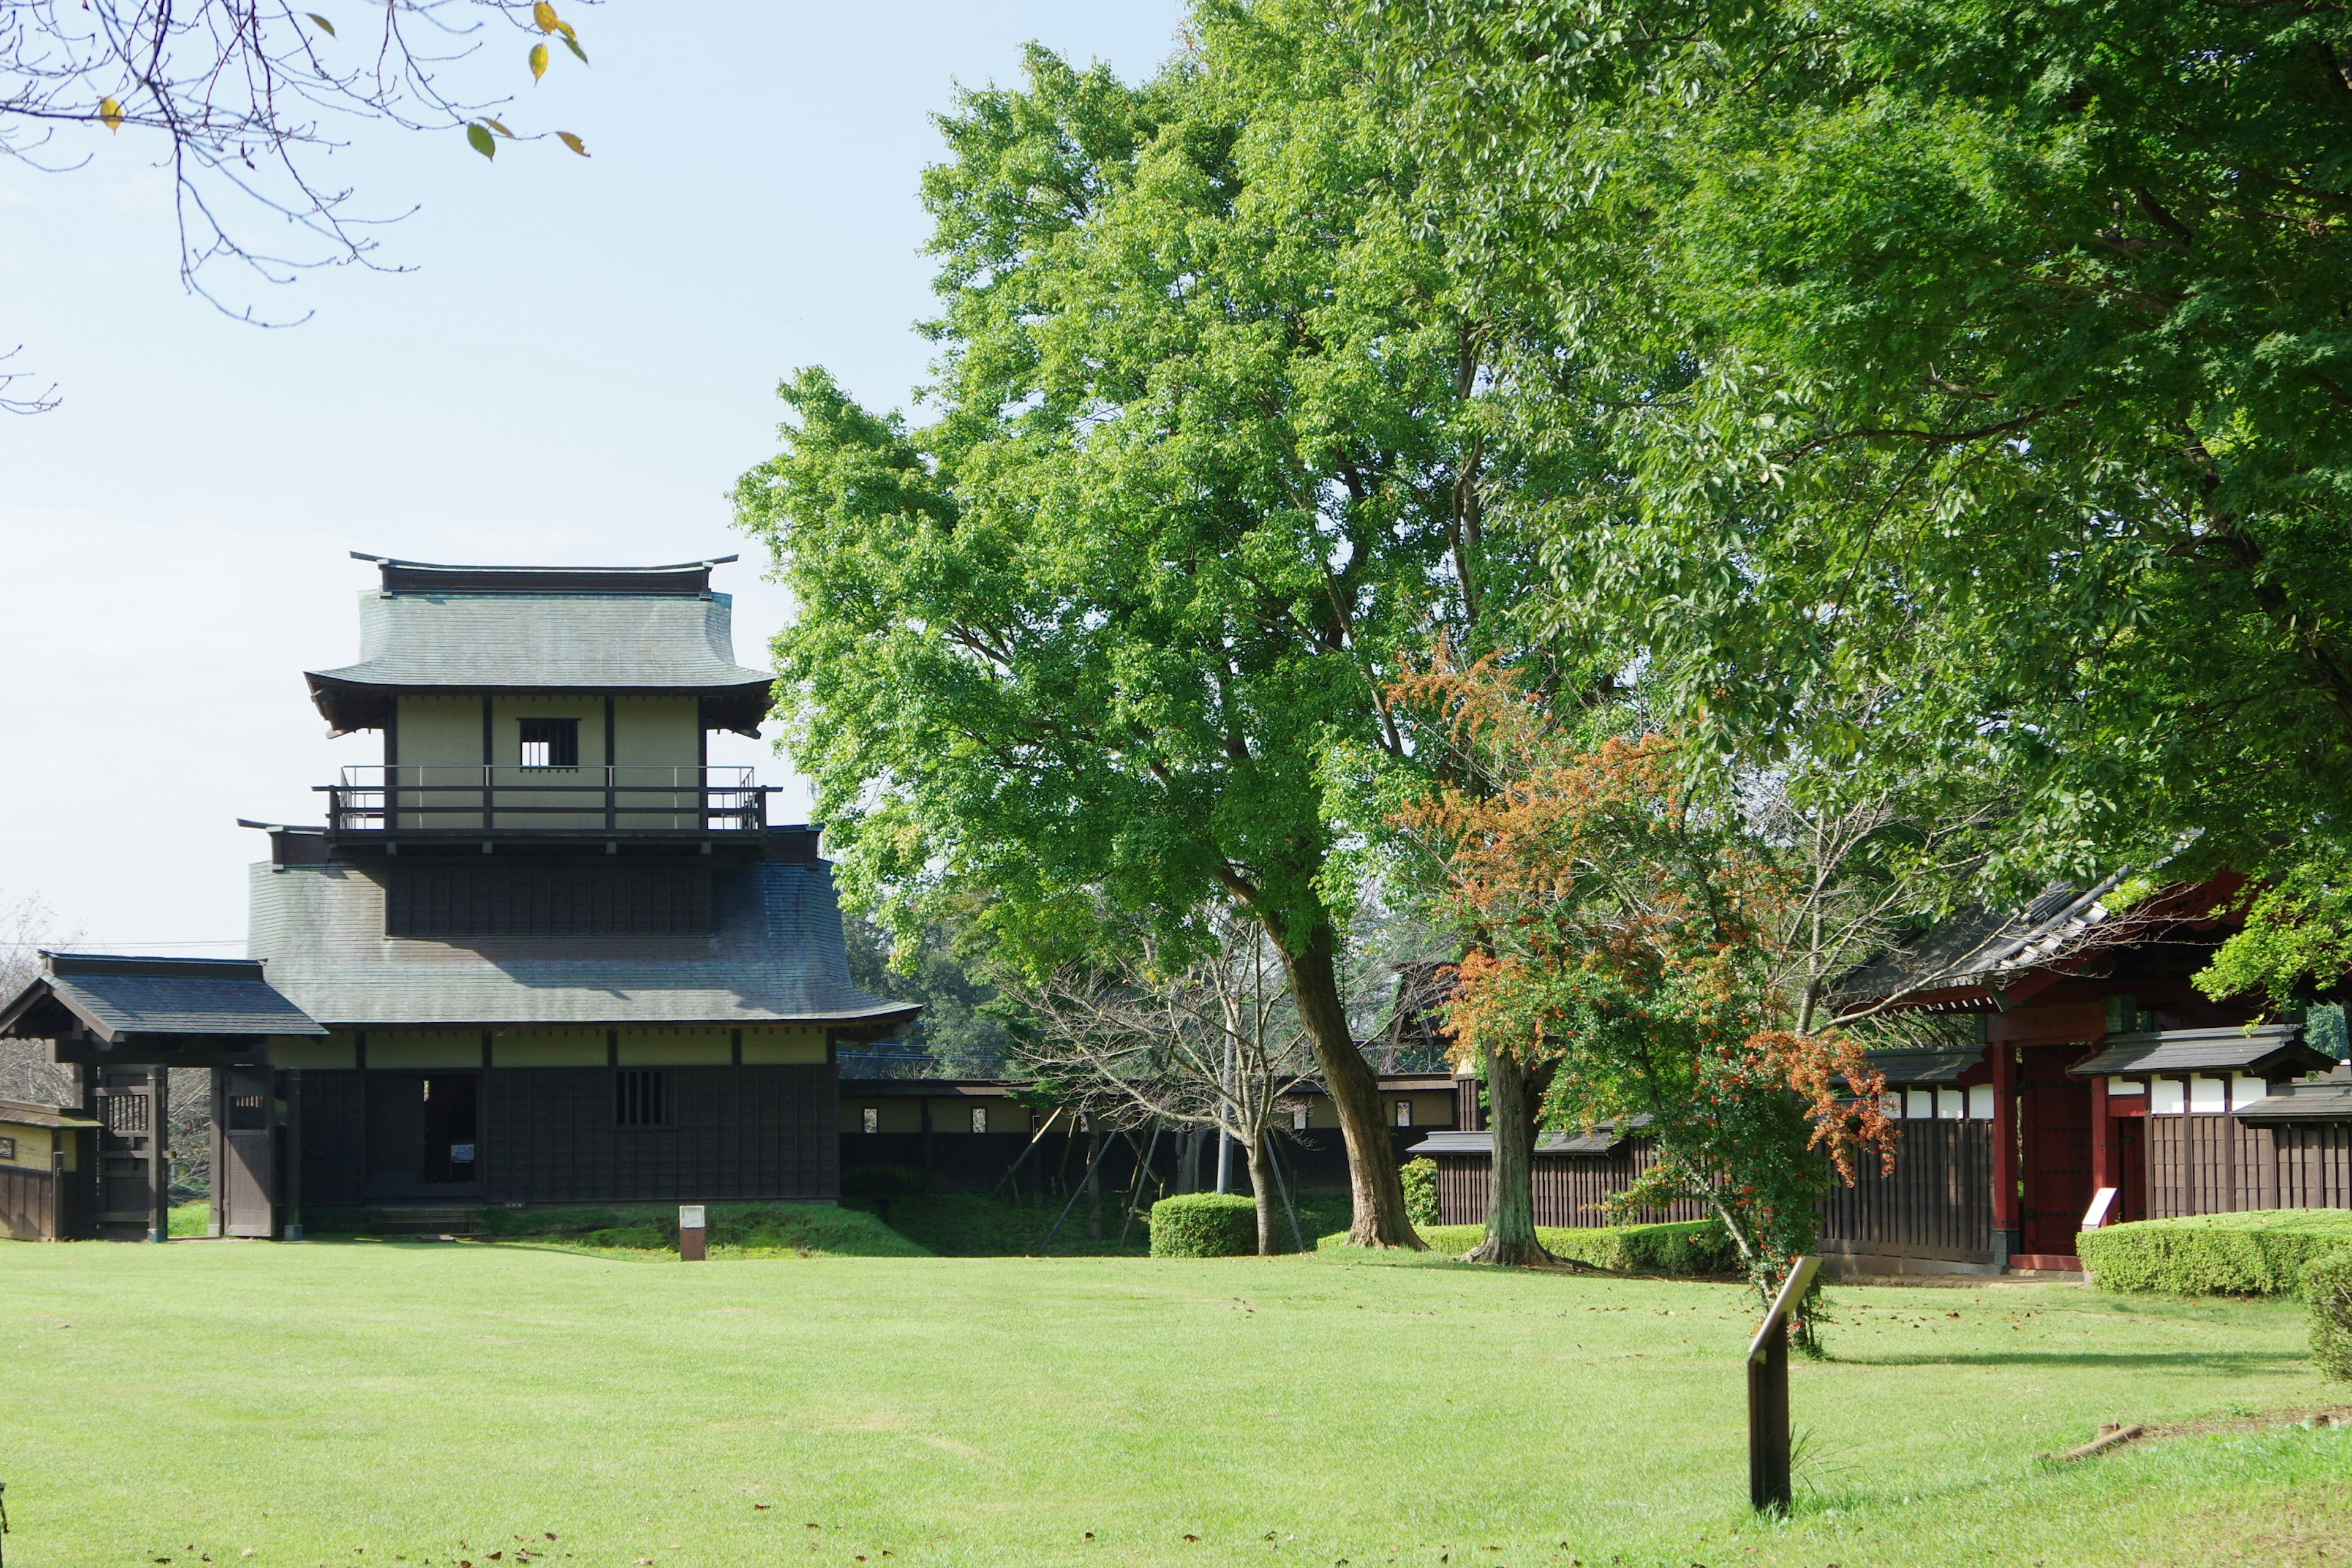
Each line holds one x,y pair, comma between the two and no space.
2106,1168
2006,1238
218,1226
292,1230
159,1165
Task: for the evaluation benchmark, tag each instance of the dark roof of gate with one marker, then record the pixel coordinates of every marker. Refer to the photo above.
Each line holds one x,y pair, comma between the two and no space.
117,995
2329,1102
1976,946
2270,1045
775,955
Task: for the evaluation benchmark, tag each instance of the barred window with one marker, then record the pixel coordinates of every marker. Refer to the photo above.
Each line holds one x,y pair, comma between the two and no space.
870,1118
979,1118
551,742
1298,1119
641,1099
1404,1112
248,1114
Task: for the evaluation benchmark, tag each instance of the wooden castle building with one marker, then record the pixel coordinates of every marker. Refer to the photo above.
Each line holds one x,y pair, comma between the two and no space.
542,952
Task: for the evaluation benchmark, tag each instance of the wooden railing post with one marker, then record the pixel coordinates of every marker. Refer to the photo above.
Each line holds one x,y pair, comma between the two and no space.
1768,1395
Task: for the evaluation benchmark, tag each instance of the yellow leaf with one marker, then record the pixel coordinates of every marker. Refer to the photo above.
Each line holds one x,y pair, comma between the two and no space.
538,61
323,24
565,28
109,114
498,128
573,141
544,15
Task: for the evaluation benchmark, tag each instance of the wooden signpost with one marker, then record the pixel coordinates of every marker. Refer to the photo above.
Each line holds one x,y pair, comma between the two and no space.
690,1234
1768,1395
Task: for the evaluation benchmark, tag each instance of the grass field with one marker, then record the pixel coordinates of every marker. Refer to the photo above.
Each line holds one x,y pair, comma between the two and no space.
342,1403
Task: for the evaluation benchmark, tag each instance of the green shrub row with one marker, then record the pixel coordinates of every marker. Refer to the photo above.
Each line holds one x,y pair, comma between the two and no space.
1420,1178
1204,1225
1685,1248
2260,1254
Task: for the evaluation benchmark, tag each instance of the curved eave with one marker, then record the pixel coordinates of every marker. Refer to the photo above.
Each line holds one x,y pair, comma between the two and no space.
348,705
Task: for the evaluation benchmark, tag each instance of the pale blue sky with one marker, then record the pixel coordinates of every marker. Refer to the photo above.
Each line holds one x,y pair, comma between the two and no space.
582,364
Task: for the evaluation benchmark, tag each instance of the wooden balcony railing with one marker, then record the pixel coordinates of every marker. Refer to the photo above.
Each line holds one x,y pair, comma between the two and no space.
504,799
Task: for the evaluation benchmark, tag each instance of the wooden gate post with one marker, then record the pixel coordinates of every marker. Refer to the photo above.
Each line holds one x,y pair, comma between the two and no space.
158,1164
1768,1395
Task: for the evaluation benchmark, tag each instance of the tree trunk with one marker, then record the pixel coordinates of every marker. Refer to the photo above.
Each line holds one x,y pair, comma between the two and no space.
1261,1174
1511,1185
1372,1179
1094,1183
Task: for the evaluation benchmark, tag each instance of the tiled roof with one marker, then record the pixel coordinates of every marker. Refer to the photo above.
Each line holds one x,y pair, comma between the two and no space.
1602,1140
2204,1050
1925,1065
1976,946
775,955
117,995
2330,1101
543,641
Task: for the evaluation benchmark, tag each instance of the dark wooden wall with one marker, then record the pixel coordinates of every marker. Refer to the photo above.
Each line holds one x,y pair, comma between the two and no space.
876,1163
2315,1165
1571,1191
43,1205
547,1136
2209,1165
1935,1203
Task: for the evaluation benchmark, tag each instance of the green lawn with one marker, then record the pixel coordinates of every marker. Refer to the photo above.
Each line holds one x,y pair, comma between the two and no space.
432,1402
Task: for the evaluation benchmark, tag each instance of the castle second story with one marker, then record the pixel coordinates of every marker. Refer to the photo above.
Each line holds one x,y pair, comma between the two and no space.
529,704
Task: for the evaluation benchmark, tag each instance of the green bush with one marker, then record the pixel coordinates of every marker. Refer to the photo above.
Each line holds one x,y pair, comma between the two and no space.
2327,1286
746,1230
1421,1193
1685,1248
2259,1254
1204,1225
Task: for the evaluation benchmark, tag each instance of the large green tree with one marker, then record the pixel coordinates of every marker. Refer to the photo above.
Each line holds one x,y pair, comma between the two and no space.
1215,429
1990,360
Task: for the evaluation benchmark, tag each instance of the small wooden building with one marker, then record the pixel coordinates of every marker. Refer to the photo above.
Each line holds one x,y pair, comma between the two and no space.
48,1165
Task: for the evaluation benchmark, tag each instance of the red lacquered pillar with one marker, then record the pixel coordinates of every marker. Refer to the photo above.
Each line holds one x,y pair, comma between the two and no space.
2005,1238
2104,1164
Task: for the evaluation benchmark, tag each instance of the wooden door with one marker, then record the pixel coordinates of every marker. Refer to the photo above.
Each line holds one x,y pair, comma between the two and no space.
125,1110
424,1134
2055,1112
2131,1169
246,1141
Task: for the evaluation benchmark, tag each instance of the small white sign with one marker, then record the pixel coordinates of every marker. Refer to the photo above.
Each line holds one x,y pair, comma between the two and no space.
689,1216
2101,1202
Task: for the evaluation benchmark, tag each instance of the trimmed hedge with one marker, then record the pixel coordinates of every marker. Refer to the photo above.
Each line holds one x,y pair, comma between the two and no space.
2263,1253
1421,1193
2327,1286
1204,1225
1687,1248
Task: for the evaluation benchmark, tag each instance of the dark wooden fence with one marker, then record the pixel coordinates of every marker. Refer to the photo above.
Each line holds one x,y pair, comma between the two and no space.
2314,1165
1935,1203
1571,1191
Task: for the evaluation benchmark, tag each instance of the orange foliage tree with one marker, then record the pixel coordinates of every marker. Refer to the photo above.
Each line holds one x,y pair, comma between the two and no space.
1623,951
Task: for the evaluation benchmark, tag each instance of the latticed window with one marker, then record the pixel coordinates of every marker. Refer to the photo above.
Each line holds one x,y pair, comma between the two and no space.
551,742
870,1118
641,1099
979,1118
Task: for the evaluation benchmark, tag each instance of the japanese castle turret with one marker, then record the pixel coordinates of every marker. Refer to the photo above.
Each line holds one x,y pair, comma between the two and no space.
542,952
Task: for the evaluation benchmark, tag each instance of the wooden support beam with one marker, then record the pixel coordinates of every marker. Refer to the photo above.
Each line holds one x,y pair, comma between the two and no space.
1768,1480
2006,1238
158,1164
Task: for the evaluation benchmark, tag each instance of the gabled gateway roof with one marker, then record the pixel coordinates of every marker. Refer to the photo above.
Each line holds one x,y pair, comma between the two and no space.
433,628
2271,1046
116,996
1925,1065
775,955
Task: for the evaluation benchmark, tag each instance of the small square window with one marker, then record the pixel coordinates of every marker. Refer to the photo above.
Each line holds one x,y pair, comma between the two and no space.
7,1148
1298,1119
246,1113
1404,1112
870,1118
979,1118
551,742
641,1099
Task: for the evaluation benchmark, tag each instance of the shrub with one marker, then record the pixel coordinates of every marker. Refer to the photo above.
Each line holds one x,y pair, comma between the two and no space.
1204,1225
2327,1286
2259,1254
1421,1192
1685,1248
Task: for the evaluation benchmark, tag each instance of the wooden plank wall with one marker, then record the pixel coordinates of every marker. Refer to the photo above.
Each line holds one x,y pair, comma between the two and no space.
2315,1165
747,1133
2209,1164
1937,1203
547,1136
1570,1192
27,1197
